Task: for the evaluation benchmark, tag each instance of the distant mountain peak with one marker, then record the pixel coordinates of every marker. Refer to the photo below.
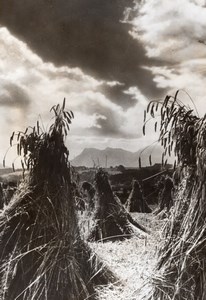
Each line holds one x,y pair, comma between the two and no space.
109,156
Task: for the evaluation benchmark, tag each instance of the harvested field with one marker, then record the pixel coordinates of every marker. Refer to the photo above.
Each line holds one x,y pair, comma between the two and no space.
132,260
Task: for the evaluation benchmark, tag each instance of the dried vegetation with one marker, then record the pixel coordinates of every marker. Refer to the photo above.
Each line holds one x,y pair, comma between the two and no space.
42,255
181,269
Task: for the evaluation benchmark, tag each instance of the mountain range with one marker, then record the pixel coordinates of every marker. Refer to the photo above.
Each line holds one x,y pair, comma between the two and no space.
111,157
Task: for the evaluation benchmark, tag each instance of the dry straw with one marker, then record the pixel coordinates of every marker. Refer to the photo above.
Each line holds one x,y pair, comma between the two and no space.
42,256
113,222
181,270
136,201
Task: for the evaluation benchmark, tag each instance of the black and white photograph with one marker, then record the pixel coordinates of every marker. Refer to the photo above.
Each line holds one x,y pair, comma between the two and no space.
102,150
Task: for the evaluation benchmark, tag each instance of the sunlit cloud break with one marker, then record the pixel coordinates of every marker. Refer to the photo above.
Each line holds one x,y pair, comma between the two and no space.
174,32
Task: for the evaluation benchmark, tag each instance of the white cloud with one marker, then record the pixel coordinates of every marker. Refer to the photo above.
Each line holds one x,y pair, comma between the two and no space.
174,32
135,115
137,95
87,121
114,83
171,29
186,77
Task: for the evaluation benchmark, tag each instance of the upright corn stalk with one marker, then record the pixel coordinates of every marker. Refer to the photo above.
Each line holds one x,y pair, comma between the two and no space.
181,270
42,255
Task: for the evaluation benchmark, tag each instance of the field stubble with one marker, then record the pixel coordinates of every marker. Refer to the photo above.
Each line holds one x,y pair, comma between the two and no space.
132,260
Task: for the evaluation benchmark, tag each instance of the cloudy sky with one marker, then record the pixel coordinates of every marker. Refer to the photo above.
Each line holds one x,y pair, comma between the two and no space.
107,58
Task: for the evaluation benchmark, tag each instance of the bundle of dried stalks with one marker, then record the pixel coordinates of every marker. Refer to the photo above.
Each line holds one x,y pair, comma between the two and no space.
136,201
181,270
113,222
89,192
41,253
165,200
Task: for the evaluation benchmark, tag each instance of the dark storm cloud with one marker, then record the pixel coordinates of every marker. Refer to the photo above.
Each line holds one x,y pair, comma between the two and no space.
86,34
109,121
14,96
117,92
109,128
